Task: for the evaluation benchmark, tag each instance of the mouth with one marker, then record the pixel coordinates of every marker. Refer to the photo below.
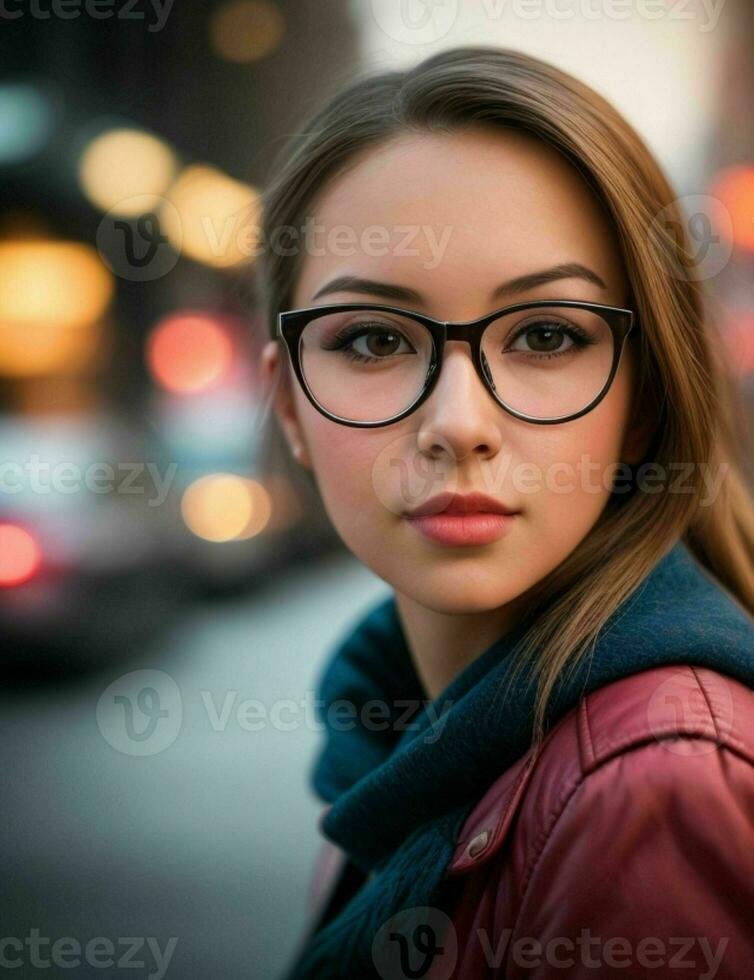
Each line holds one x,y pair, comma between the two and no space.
461,504
463,519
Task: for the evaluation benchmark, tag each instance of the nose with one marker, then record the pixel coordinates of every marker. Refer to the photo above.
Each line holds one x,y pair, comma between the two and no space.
460,416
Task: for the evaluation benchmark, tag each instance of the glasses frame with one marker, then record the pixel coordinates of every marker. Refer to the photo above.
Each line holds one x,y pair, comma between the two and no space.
291,324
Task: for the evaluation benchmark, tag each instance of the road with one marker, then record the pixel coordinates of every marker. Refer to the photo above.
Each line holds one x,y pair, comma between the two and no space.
185,841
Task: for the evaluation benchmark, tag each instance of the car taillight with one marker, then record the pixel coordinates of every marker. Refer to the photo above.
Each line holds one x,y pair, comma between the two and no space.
20,555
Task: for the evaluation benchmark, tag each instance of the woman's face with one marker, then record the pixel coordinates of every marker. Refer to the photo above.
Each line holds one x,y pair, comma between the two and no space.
458,215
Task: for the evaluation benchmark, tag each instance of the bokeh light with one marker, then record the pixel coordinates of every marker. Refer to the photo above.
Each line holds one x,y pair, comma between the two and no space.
27,121
123,169
734,187
246,30
214,218
188,352
220,419
20,555
52,295
226,507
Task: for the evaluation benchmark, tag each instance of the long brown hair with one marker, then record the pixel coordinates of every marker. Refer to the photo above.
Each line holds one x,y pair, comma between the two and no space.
683,377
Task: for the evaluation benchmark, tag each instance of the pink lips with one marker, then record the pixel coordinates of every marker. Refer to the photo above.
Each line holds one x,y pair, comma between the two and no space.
462,519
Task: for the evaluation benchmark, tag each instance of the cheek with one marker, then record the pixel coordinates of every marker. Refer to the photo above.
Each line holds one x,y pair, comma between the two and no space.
575,464
342,458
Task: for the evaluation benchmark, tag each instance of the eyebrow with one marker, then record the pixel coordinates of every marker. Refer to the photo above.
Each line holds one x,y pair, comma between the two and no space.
393,291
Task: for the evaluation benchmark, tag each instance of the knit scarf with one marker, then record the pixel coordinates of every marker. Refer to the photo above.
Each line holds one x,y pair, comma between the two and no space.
403,772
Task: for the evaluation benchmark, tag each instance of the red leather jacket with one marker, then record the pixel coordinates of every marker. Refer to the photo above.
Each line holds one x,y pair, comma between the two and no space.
624,849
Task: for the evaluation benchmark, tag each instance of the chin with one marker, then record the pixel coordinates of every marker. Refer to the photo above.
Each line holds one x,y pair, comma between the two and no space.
466,596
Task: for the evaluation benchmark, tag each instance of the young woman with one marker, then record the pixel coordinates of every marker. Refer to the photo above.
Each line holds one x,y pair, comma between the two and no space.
489,348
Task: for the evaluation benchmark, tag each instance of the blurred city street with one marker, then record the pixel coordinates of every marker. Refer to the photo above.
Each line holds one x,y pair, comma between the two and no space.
171,582
211,838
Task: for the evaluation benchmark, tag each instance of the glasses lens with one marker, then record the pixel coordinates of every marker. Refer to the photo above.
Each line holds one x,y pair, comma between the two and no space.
369,365
549,362
365,365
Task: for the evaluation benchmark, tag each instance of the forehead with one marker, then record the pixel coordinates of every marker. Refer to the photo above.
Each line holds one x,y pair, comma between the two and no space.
454,213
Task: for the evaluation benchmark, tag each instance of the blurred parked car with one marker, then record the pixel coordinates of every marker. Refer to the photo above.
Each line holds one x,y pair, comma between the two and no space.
88,563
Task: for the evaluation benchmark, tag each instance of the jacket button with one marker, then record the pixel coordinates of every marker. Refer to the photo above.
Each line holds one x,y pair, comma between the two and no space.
477,844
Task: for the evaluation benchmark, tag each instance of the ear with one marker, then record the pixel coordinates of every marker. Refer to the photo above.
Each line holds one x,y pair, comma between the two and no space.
276,376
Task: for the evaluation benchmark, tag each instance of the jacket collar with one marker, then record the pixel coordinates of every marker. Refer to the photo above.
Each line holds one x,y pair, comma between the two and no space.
386,782
668,702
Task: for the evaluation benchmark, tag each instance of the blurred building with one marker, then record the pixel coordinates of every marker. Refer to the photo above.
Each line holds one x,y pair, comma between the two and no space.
132,144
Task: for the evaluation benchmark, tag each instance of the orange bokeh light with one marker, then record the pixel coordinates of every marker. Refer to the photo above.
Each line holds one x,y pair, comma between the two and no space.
20,556
188,352
226,507
734,187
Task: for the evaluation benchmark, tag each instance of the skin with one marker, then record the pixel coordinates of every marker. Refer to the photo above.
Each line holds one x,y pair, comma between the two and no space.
513,206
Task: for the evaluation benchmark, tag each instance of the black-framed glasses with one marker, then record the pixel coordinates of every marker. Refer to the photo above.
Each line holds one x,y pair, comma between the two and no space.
367,364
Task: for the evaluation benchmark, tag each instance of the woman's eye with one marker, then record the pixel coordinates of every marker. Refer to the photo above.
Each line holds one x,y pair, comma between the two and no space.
382,343
543,338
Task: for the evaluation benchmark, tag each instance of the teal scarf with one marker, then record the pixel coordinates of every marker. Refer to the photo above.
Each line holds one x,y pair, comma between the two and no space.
402,778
